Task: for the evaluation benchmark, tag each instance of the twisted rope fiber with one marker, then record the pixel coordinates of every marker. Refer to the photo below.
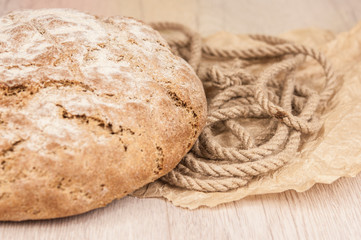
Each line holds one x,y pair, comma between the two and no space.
291,109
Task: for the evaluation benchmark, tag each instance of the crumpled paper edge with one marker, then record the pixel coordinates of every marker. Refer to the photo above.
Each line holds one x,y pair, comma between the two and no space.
310,166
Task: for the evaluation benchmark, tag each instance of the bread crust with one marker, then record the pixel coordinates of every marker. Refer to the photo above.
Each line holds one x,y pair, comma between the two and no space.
90,110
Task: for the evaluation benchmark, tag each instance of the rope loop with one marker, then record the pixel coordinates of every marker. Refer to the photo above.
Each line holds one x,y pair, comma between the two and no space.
238,99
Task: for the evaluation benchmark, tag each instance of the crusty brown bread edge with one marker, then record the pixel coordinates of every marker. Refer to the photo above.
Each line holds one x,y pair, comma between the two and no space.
41,199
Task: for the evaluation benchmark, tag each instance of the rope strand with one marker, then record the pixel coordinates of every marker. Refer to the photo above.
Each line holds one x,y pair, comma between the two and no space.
242,97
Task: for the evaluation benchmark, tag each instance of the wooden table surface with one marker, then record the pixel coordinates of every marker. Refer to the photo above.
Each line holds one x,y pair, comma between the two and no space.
324,212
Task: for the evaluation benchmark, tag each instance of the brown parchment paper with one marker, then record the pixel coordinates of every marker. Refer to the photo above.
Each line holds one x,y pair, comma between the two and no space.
335,152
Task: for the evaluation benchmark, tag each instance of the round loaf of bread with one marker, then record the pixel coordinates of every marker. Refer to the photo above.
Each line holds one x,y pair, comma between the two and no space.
90,110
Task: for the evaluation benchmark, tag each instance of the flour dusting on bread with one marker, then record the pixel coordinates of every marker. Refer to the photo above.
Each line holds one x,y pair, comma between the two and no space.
89,111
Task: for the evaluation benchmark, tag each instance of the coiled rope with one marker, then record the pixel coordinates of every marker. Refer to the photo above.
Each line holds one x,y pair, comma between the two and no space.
291,108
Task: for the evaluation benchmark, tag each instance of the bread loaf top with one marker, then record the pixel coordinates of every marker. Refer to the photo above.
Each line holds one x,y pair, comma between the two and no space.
90,109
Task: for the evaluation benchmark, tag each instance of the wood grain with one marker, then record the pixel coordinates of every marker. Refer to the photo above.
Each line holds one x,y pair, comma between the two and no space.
324,212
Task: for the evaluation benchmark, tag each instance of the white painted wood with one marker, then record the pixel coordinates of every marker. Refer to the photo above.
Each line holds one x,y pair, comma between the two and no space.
324,212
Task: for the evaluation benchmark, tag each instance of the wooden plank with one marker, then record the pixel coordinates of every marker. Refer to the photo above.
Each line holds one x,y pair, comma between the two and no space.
332,211
184,11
